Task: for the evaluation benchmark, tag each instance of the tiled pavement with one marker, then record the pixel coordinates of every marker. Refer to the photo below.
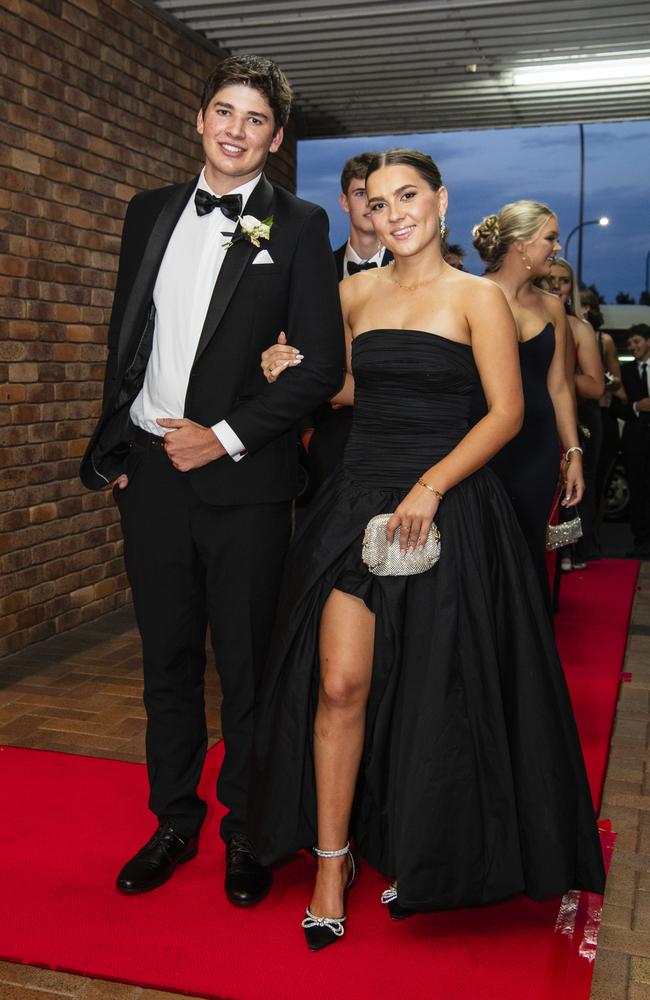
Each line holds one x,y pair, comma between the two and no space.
81,693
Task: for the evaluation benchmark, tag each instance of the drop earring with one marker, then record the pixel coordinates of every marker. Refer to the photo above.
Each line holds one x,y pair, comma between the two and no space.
526,261
444,228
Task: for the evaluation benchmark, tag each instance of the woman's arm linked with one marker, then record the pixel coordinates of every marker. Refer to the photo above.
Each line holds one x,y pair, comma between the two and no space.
278,357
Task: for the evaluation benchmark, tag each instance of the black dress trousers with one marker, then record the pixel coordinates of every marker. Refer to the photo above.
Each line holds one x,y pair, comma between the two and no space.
192,564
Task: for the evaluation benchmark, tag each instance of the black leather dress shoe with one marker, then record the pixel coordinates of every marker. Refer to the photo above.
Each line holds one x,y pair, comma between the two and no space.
156,861
247,881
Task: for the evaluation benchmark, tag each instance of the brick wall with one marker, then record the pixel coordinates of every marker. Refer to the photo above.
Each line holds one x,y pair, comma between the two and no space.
99,100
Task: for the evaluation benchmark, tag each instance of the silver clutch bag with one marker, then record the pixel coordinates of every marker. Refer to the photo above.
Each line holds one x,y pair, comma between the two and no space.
384,559
559,535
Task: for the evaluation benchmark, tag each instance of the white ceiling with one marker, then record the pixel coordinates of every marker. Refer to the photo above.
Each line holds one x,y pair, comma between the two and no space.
389,66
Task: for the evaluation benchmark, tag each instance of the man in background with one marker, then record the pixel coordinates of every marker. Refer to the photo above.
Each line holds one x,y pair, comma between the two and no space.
636,435
362,250
324,436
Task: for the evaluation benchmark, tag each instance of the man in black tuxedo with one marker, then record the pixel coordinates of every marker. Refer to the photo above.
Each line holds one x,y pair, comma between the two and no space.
324,436
362,249
636,435
202,450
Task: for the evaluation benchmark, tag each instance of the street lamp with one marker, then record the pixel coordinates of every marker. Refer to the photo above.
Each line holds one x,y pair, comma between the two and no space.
602,221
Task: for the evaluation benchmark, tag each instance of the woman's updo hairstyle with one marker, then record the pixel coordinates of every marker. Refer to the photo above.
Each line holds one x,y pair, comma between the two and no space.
422,164
519,220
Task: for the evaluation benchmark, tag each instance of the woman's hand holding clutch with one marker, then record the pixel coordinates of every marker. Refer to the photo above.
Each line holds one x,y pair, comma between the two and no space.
278,358
573,479
414,516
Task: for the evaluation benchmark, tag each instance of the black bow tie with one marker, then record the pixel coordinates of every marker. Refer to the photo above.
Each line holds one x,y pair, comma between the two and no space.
355,268
230,204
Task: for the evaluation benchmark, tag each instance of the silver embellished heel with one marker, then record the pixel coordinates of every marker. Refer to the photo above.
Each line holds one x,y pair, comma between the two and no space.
396,910
323,931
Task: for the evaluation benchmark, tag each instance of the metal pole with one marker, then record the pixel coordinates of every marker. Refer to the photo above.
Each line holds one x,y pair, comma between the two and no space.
568,240
582,201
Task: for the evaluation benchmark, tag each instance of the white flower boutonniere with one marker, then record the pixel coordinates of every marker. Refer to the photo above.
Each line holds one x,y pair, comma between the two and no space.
251,230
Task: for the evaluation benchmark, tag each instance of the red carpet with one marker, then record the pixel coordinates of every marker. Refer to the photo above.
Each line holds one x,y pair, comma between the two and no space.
591,631
75,819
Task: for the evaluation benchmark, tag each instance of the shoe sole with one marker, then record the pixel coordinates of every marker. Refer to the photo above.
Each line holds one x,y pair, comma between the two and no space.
156,885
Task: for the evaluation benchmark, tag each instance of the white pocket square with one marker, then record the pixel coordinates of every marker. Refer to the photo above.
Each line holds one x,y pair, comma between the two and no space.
263,257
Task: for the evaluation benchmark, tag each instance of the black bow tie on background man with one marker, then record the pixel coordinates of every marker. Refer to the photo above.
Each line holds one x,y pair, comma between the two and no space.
355,268
230,204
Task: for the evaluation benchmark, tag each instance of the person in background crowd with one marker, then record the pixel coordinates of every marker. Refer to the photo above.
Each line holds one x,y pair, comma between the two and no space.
324,434
362,250
611,437
588,375
455,255
519,246
636,435
590,308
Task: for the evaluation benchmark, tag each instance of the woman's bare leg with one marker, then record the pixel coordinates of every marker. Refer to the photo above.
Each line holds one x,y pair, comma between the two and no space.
347,635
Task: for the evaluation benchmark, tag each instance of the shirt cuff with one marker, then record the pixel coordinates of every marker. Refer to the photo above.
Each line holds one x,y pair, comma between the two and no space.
233,445
634,410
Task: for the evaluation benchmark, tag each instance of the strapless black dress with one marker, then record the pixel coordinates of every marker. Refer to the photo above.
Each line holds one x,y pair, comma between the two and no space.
529,465
472,785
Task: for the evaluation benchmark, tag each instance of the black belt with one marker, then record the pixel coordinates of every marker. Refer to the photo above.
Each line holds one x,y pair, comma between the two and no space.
145,439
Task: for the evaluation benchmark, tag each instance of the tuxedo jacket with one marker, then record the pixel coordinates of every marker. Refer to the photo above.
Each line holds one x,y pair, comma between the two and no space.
339,258
636,432
250,305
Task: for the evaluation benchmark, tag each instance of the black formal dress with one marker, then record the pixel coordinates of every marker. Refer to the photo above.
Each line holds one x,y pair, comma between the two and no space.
529,465
472,785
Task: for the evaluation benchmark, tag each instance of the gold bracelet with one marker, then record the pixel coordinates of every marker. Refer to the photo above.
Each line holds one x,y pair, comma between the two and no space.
436,493
569,451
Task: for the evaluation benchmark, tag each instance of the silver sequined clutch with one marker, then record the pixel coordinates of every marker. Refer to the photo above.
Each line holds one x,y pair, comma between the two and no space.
384,559
559,535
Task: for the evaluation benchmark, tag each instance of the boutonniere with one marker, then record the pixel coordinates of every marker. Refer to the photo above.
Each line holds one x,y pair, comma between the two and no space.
251,230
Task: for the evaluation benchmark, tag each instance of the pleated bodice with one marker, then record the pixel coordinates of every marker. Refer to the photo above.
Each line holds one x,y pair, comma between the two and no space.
412,404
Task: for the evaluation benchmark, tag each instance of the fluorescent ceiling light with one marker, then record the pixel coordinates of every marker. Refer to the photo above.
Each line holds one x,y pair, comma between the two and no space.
583,72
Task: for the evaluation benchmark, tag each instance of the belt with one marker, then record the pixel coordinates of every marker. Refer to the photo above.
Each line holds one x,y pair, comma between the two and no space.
145,439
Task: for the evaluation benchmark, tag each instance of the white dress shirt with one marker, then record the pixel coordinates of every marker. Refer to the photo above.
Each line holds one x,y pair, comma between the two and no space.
182,293
352,255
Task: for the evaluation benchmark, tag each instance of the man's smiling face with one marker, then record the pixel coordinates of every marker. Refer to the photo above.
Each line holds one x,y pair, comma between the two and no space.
238,132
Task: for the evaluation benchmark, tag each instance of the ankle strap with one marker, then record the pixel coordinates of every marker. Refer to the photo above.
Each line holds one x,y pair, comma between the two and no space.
332,854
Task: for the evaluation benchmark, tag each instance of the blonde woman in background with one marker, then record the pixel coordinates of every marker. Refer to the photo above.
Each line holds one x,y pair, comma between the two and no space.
519,247
589,380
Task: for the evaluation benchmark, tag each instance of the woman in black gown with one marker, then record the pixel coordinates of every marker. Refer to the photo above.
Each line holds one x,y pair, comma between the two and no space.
426,715
589,381
519,246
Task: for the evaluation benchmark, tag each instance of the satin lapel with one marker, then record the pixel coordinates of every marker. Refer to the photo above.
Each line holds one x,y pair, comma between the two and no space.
234,265
148,271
